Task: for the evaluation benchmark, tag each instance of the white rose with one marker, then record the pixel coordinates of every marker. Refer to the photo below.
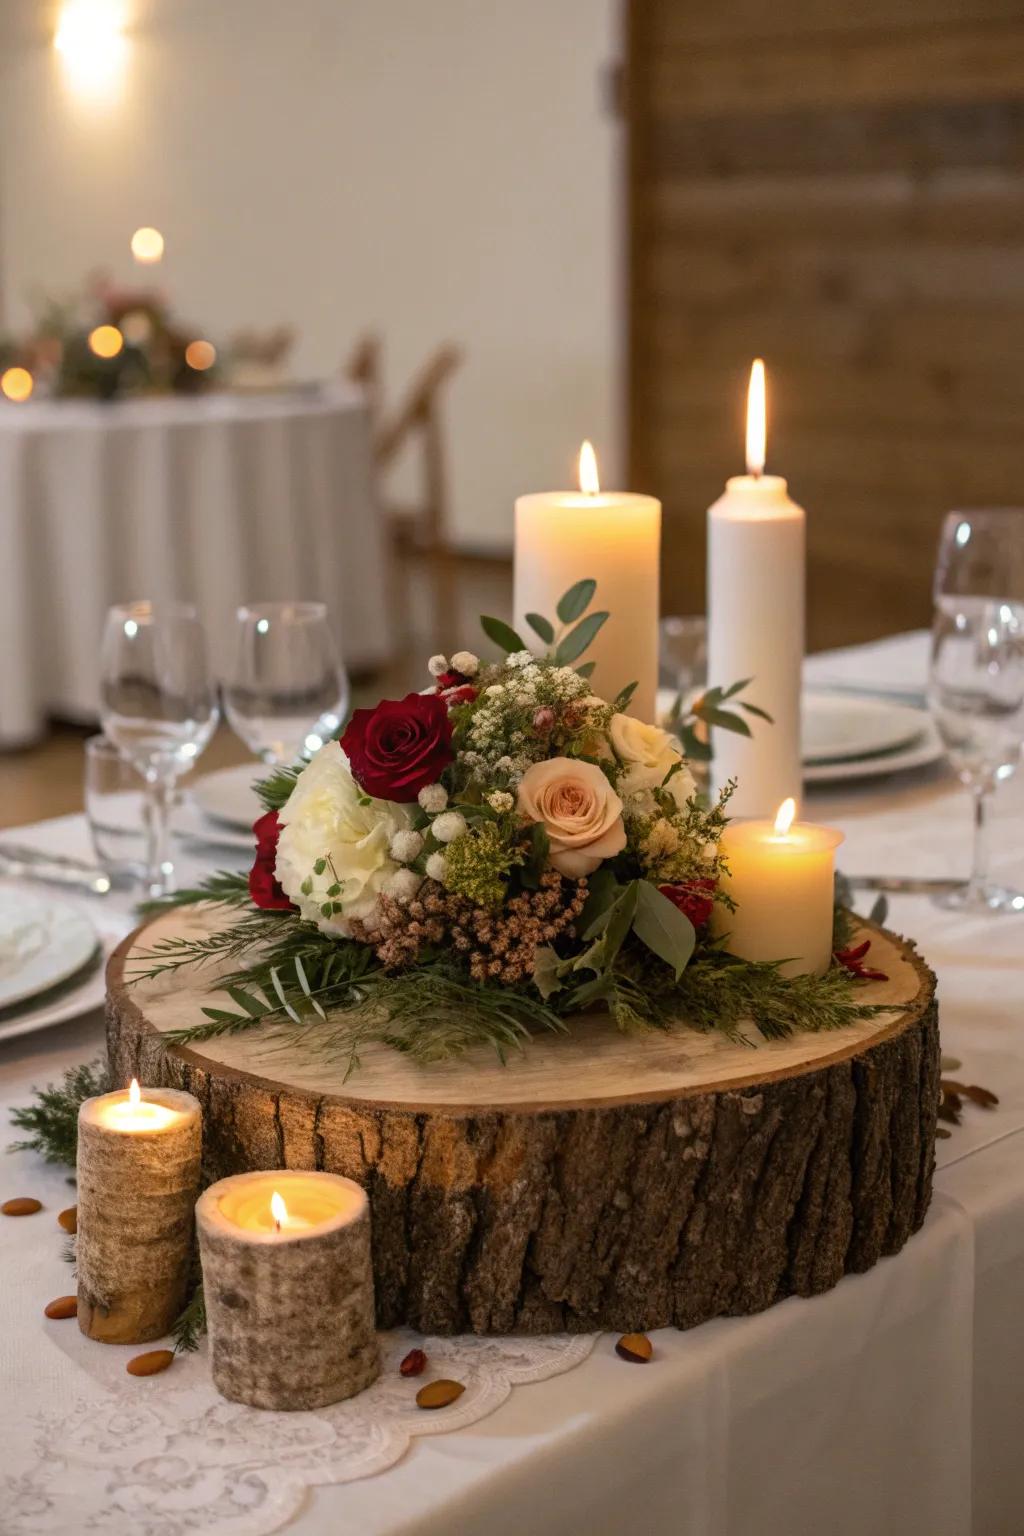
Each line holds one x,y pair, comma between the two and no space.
647,753
327,816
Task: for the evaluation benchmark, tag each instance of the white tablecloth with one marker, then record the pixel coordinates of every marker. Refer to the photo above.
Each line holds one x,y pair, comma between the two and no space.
891,1404
218,500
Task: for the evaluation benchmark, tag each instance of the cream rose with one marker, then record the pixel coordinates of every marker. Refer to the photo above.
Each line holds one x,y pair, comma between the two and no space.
327,816
647,753
578,809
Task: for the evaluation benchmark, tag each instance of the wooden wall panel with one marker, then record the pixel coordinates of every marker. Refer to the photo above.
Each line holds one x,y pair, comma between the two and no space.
841,190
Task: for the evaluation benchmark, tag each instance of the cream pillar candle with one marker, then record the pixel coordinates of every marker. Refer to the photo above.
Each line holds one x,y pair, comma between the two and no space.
781,879
615,538
138,1178
756,566
288,1286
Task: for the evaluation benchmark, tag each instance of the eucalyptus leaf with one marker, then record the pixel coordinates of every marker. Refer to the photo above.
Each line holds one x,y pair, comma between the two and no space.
502,634
666,931
547,971
573,604
623,697
254,1009
602,889
725,720
577,640
755,709
541,626
587,669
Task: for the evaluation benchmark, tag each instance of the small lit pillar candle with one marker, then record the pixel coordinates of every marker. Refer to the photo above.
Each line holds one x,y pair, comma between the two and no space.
613,537
288,1286
781,879
138,1178
755,586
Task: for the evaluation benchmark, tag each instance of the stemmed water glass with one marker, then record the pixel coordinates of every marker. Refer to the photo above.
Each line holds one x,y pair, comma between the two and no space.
976,683
158,705
288,692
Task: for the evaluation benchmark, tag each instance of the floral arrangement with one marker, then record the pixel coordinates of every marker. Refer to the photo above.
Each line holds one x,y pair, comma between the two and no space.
490,857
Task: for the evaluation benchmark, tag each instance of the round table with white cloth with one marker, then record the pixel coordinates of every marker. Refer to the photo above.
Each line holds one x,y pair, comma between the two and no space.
220,499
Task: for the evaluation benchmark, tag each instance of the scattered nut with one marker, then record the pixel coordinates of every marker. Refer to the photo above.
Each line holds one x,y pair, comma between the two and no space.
636,1347
438,1394
64,1306
22,1206
69,1219
414,1364
151,1363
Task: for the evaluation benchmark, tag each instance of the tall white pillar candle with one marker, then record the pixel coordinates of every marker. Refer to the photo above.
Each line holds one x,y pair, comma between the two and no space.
756,575
565,536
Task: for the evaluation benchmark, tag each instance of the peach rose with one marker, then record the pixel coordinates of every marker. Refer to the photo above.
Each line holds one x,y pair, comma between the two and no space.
578,809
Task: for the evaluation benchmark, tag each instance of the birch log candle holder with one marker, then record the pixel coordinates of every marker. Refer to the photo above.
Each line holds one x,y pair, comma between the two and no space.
138,1178
288,1286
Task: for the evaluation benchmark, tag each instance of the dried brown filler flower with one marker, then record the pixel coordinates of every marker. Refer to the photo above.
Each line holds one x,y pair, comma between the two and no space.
498,946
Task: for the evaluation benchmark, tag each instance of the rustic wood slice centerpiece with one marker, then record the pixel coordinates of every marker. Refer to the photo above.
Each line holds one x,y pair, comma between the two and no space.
598,1180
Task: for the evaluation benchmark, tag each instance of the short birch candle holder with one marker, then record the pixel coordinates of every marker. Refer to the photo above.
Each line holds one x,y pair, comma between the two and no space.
138,1178
288,1286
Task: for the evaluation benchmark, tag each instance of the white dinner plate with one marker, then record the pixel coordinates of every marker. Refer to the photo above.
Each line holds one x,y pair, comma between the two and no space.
922,753
43,942
227,795
838,725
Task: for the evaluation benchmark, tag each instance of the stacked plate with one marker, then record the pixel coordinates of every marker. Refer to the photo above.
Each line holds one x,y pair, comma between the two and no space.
219,809
50,961
851,736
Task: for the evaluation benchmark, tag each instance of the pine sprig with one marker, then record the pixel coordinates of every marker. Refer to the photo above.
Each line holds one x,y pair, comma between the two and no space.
225,888
720,992
52,1120
189,1327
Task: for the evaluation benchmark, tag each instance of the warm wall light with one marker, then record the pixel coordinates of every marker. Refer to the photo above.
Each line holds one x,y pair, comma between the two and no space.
147,245
105,341
91,42
200,355
16,383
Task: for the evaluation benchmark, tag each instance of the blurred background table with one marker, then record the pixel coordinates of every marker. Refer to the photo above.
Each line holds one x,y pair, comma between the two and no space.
219,500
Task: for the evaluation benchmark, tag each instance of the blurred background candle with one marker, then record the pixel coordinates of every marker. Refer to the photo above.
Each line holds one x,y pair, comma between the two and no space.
756,621
781,879
615,538
138,1178
289,1288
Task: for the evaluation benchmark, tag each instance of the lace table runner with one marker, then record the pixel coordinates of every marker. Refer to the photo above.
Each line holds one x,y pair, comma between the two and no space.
167,1456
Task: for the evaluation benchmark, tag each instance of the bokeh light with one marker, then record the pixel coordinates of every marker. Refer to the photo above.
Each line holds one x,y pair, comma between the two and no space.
16,383
200,355
106,341
91,42
147,245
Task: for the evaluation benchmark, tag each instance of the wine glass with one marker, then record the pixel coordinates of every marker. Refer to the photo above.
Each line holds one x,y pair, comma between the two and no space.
158,705
976,683
288,692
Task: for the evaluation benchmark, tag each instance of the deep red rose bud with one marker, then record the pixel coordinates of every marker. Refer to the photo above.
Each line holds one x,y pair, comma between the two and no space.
401,746
694,898
264,888
451,679
464,695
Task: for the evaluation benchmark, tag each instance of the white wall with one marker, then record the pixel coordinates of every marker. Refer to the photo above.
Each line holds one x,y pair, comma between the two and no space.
435,168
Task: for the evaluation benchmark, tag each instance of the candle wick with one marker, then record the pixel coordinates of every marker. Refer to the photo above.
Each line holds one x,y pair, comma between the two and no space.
277,1225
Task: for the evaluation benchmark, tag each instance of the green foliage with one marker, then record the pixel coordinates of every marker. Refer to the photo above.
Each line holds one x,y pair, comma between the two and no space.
542,627
503,635
52,1119
667,932
708,710
189,1327
275,790
572,605
478,865
579,639
720,992
226,888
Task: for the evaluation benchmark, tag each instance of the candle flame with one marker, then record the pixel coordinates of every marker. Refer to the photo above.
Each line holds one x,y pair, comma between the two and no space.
757,426
278,1209
134,1093
784,817
590,485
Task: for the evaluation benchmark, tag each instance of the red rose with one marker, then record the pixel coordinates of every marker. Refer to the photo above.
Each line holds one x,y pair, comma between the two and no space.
399,747
263,886
693,898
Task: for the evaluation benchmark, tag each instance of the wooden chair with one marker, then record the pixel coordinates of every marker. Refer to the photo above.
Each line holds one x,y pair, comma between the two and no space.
419,529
